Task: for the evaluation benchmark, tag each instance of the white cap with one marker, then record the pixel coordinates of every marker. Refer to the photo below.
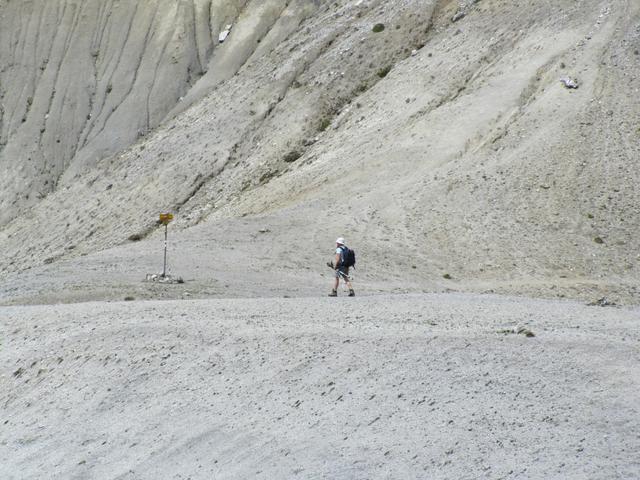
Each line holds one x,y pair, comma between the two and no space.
340,241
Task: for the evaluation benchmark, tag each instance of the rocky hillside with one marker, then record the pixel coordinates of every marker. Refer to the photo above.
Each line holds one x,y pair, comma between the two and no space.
442,138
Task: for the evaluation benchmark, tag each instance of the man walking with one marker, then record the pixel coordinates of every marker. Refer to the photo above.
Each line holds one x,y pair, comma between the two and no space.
341,266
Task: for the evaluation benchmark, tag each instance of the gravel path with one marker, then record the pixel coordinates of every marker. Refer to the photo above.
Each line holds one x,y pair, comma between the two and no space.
407,386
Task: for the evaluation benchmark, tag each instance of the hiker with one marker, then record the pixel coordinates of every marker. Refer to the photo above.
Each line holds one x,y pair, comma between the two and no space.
345,258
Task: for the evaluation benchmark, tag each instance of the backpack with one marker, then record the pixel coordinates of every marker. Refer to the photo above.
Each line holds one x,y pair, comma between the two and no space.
348,257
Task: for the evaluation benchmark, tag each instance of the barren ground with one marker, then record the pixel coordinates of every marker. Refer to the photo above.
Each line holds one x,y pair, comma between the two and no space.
389,386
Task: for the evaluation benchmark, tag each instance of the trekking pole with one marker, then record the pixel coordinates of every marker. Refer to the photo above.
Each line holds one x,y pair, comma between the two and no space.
344,275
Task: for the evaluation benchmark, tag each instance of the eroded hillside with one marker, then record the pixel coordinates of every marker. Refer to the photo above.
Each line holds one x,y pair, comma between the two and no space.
81,80
436,134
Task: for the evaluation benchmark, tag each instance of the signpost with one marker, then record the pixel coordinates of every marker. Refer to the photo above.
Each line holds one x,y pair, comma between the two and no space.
165,219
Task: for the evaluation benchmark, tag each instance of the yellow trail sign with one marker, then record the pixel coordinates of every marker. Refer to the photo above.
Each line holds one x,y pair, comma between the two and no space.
165,218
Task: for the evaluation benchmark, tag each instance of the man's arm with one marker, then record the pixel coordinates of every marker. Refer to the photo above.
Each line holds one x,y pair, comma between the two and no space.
336,262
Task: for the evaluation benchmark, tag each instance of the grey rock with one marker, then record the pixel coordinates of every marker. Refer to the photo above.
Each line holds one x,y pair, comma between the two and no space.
569,82
458,16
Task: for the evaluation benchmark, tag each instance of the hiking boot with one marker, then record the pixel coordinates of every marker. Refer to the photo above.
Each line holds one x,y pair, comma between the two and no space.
352,293
333,293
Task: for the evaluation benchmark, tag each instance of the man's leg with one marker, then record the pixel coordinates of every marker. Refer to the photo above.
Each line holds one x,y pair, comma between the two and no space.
347,280
334,292
351,292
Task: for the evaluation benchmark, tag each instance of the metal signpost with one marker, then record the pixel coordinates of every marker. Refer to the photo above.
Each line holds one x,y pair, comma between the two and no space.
165,219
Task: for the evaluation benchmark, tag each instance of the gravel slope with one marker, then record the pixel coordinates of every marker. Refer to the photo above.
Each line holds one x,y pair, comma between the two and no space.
436,147
419,386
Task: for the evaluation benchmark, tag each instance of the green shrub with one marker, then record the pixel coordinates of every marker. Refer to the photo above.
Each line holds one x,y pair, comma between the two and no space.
378,27
267,176
292,156
361,88
384,71
324,124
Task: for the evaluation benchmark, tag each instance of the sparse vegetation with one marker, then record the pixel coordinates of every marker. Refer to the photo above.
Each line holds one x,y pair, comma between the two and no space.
324,124
265,177
362,87
519,331
292,156
383,72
